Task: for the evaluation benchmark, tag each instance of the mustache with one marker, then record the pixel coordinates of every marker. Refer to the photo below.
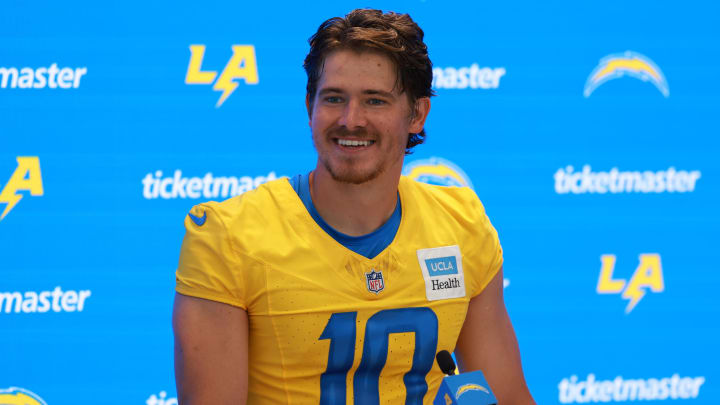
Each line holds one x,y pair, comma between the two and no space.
344,132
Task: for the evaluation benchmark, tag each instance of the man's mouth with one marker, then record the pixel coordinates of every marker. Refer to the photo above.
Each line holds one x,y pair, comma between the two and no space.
353,143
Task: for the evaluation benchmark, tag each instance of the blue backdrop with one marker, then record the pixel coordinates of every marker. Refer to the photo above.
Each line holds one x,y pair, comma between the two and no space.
589,130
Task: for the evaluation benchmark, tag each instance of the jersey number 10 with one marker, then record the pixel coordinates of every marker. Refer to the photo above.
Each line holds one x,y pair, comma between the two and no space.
341,330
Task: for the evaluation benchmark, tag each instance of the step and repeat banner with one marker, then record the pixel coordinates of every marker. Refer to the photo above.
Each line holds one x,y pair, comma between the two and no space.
590,132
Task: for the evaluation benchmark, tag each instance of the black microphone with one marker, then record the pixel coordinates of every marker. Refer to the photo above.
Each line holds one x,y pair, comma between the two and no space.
446,363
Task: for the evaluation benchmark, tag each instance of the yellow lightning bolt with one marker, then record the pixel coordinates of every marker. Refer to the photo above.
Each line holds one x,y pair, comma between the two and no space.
634,294
9,197
25,177
647,275
241,65
437,170
634,64
17,398
226,85
470,387
631,64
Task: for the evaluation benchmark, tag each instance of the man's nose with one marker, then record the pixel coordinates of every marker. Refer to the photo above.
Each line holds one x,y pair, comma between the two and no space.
353,115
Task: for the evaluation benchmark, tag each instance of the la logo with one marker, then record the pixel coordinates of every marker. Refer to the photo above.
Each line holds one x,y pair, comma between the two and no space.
648,274
242,65
26,177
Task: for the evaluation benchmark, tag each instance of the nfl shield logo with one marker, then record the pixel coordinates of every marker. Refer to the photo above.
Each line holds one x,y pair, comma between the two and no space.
375,281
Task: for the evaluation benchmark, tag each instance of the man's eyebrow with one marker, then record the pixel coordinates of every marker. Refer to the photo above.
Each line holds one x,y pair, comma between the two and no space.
383,93
380,93
329,90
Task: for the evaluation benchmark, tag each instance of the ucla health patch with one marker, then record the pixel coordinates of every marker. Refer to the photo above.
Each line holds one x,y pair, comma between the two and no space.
443,272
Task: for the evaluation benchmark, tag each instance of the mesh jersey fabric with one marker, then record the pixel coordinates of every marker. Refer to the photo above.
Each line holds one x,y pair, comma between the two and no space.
323,328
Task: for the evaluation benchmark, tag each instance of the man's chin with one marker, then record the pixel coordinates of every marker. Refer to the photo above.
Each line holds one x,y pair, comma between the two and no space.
353,179
353,175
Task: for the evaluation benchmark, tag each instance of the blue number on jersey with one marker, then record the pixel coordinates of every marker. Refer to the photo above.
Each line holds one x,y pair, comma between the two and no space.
341,331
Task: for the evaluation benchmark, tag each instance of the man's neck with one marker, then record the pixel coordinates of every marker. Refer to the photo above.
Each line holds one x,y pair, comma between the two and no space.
354,209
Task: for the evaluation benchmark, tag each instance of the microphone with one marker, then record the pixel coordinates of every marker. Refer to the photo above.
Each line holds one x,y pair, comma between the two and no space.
446,363
461,389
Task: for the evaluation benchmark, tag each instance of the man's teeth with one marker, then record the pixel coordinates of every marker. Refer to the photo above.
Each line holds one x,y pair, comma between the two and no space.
348,142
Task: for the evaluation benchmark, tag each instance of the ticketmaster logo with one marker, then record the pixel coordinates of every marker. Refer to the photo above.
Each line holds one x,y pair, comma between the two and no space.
161,399
56,300
209,186
472,76
42,77
619,390
615,181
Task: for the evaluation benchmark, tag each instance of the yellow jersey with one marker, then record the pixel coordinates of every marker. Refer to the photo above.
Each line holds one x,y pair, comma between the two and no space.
327,325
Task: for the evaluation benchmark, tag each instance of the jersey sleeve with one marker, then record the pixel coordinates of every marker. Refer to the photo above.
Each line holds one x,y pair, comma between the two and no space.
487,251
209,267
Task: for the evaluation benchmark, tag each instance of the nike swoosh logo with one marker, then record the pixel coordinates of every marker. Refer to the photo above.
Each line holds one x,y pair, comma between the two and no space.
199,221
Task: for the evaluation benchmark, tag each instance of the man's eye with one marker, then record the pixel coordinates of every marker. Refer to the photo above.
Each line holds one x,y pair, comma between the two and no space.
333,99
376,101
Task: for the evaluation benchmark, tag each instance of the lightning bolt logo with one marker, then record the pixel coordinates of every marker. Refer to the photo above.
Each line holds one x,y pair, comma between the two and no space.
25,177
631,64
634,294
19,396
470,387
10,199
647,275
242,65
437,171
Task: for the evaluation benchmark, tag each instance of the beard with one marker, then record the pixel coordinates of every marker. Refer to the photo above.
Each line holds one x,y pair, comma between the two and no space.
351,169
344,173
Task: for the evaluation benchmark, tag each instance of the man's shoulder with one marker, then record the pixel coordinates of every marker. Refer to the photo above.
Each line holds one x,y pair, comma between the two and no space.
262,224
451,197
250,206
458,207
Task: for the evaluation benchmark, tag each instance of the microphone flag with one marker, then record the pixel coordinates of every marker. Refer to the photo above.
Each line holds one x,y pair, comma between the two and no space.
465,389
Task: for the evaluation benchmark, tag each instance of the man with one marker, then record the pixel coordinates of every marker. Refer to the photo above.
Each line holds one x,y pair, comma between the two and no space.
340,287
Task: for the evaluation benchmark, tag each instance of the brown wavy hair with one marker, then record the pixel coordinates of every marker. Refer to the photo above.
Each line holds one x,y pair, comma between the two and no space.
394,35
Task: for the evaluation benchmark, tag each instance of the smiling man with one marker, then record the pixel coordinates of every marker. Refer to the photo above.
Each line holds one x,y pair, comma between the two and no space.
340,286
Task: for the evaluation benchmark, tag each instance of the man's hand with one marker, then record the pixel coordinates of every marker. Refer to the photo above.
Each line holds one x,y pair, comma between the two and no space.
211,352
487,342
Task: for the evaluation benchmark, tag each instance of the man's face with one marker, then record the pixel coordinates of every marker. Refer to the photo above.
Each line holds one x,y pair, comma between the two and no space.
360,121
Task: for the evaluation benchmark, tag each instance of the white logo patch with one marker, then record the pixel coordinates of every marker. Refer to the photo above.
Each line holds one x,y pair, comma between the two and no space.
443,272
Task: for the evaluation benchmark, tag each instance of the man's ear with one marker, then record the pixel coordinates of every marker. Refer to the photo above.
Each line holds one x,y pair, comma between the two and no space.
421,109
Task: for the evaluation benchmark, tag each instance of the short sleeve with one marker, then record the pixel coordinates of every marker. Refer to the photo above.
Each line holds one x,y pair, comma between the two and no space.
208,266
487,253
